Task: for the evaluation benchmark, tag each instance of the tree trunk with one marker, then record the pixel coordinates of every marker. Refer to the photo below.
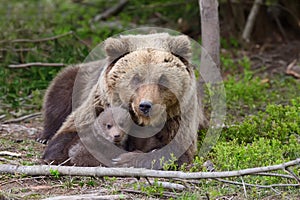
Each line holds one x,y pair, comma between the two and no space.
210,29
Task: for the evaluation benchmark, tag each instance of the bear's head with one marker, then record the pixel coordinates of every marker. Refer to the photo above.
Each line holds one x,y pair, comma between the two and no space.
150,74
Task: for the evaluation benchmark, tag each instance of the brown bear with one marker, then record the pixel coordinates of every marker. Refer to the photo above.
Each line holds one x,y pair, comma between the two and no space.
152,76
113,125
58,98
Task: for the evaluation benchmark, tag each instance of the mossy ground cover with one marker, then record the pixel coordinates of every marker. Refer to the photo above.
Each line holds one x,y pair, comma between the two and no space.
263,109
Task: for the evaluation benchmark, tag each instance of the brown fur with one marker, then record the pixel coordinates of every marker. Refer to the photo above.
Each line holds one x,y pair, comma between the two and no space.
149,57
58,102
106,125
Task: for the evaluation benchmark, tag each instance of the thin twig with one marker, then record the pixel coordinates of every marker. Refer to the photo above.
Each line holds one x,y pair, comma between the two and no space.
37,64
80,40
137,172
293,174
2,117
111,11
23,118
98,196
256,185
275,174
18,50
37,40
8,153
166,194
168,185
244,187
22,179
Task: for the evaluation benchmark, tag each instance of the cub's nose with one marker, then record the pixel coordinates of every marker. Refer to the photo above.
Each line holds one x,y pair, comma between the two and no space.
145,107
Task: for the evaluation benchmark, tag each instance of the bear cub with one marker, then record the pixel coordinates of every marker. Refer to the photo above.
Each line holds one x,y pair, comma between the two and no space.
113,124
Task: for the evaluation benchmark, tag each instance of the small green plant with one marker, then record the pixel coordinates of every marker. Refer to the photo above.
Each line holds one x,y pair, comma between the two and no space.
55,173
170,164
155,189
91,183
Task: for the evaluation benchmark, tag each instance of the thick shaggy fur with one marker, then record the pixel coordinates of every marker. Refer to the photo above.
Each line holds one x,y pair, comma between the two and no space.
153,67
58,101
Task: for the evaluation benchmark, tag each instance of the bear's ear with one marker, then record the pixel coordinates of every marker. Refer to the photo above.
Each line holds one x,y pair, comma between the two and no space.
115,48
180,46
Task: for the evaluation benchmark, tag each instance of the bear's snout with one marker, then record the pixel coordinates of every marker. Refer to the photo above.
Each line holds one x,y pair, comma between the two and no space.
145,107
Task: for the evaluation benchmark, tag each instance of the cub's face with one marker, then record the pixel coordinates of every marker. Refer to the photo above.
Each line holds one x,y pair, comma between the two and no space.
113,124
151,82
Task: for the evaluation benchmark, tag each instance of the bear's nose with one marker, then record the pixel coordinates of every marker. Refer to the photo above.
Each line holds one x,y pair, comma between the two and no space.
145,107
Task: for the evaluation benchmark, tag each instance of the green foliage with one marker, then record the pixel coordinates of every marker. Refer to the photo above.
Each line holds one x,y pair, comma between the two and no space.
233,155
245,91
55,173
155,189
277,121
170,164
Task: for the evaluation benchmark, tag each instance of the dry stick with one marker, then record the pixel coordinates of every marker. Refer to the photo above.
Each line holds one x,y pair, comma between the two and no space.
256,185
36,40
244,187
133,172
251,19
2,116
8,153
25,117
88,197
22,179
276,175
37,64
111,11
166,194
168,185
293,174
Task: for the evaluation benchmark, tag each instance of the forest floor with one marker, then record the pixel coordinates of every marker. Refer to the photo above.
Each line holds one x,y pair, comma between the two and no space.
20,138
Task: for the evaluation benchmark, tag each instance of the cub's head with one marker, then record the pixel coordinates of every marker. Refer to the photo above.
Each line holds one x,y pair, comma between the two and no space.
151,80
113,124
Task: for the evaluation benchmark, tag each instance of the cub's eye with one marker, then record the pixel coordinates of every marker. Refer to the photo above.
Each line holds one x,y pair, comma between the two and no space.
136,79
108,126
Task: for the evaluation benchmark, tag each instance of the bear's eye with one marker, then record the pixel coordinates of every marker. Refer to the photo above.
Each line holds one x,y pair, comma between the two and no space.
136,80
108,126
163,81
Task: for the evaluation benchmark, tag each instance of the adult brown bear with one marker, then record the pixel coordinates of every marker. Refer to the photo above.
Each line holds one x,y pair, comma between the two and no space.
152,77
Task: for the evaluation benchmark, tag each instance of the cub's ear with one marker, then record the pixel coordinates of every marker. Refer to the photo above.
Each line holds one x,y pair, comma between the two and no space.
115,48
180,46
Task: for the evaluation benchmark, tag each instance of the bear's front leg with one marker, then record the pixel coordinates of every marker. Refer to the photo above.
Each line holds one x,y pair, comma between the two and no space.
57,150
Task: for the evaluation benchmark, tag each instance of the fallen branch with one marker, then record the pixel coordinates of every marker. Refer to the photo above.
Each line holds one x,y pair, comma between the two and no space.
20,119
2,117
136,172
293,69
255,185
8,153
88,197
37,40
168,185
37,64
164,194
17,50
111,11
